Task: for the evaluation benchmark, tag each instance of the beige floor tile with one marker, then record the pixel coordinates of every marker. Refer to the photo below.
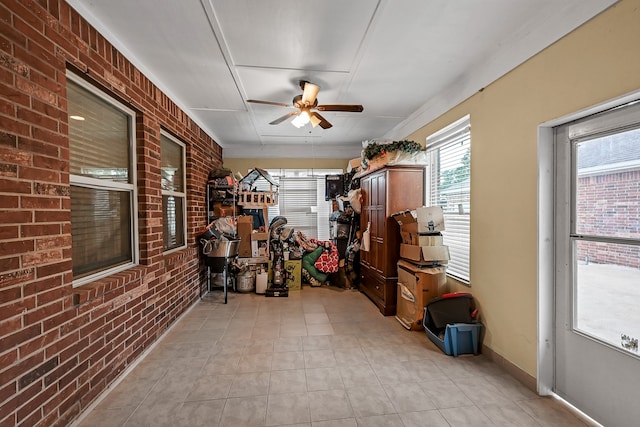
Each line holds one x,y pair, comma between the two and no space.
481,392
329,405
323,357
283,344
344,341
312,318
259,362
345,328
107,417
287,409
549,412
204,413
289,381
467,416
408,397
508,415
323,379
349,356
392,420
445,394
423,419
319,359
320,329
393,372
293,330
244,412
287,360
316,343
345,422
250,384
370,400
209,387
358,375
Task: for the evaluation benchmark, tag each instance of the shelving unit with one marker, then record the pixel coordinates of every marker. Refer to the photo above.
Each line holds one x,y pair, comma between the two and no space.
225,194
225,197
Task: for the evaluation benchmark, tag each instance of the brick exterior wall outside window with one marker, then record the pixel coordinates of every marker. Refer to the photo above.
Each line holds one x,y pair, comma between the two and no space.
600,198
61,347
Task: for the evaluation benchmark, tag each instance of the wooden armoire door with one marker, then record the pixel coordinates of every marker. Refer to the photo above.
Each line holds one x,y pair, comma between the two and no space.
386,191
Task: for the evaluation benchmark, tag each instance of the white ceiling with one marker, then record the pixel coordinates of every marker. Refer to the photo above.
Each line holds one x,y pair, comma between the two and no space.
406,61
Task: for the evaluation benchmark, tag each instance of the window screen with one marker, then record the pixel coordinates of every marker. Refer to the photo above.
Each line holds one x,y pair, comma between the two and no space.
449,185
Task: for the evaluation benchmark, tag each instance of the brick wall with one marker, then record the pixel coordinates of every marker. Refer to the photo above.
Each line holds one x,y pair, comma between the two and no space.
609,205
60,347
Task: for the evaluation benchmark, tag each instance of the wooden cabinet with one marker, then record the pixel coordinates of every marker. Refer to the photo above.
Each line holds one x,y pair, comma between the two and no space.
386,191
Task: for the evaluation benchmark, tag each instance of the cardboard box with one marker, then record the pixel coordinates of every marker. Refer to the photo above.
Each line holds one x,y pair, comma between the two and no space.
412,230
259,248
244,233
425,254
430,219
416,287
259,236
421,239
221,210
259,244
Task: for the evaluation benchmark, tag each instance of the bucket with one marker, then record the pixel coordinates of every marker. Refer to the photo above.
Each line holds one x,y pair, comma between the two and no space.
217,248
246,282
261,282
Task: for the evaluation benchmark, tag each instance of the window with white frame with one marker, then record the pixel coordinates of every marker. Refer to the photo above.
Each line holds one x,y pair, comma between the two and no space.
102,177
449,185
172,153
301,199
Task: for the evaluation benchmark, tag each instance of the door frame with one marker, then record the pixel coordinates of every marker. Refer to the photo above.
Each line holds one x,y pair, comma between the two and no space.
546,267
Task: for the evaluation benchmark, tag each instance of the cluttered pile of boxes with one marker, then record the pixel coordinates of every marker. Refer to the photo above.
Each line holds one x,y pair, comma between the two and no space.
423,301
422,267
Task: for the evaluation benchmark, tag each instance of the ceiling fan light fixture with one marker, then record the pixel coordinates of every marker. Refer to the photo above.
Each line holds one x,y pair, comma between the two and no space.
309,94
301,119
314,121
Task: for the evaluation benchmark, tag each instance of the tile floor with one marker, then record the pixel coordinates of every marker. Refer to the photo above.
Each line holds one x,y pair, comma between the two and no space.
323,357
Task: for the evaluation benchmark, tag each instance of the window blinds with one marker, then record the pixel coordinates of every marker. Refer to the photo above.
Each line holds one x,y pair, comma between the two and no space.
449,185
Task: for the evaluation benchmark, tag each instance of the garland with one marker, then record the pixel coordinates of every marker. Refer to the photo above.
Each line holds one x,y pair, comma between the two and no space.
374,149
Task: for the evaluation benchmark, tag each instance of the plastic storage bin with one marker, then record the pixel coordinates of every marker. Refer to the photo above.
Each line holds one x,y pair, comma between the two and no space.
449,324
458,338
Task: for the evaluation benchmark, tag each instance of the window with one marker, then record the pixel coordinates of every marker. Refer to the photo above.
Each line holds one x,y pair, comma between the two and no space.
173,193
602,230
103,218
449,185
301,199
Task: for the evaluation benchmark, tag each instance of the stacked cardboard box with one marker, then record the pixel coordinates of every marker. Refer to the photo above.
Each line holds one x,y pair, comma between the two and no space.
420,230
421,271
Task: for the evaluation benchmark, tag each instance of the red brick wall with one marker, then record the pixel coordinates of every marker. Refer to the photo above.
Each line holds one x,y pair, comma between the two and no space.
609,205
60,347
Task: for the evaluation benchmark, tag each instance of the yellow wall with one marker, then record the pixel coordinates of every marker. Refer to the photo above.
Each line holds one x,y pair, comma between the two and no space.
244,165
597,62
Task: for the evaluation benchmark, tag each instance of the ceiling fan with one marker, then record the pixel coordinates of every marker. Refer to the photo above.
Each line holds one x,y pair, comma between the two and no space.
307,102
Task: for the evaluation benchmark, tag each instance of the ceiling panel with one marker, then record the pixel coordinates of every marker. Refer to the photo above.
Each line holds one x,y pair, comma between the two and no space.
405,61
302,35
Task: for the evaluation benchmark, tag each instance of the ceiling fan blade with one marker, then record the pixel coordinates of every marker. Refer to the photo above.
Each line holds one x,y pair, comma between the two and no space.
255,101
341,107
285,117
310,91
324,124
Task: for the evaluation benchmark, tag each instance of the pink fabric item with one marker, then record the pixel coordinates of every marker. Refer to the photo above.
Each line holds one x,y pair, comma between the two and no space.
328,260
